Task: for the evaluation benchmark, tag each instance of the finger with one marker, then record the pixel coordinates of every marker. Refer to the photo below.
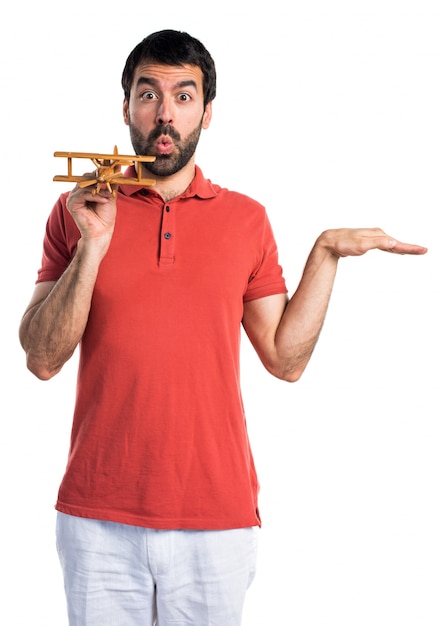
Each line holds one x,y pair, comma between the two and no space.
399,247
389,244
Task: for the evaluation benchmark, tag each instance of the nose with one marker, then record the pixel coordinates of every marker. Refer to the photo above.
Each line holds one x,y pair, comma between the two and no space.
164,113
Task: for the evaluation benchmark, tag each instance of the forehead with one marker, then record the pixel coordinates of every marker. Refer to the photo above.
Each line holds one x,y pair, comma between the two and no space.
168,76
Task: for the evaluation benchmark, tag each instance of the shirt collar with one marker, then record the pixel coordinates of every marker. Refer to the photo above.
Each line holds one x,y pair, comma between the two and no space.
199,186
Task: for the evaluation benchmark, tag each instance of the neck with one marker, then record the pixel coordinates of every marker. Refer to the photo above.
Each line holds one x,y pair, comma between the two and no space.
169,187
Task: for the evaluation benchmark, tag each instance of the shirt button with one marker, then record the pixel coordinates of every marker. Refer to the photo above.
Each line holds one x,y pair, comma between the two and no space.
167,209
144,192
167,235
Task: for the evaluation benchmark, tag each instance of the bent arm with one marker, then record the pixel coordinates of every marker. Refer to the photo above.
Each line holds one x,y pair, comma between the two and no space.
56,317
284,332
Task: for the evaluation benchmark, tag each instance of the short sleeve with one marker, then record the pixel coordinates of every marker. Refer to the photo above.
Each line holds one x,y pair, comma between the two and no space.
267,278
59,243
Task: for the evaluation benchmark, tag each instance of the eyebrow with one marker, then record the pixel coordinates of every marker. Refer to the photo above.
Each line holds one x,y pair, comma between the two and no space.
152,82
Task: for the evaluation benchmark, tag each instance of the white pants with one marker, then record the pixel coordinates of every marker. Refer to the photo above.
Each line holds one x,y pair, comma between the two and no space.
119,575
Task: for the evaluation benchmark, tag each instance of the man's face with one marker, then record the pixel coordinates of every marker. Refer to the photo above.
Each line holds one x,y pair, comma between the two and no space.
165,115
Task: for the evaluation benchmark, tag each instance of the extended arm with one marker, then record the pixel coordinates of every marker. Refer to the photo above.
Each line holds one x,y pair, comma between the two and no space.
55,319
284,332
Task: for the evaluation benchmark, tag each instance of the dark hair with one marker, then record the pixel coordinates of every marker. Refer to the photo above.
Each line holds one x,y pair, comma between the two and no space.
171,47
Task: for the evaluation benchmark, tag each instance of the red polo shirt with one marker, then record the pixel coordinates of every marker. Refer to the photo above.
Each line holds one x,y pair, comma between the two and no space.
159,436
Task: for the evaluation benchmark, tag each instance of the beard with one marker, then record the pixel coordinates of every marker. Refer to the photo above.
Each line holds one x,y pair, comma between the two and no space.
165,164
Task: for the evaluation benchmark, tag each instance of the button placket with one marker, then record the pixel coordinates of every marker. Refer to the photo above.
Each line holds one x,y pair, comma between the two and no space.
168,236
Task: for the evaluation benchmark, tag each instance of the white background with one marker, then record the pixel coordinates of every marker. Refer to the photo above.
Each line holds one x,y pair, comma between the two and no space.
331,114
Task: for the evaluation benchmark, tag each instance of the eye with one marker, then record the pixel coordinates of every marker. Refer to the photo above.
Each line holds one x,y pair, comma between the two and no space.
184,97
148,95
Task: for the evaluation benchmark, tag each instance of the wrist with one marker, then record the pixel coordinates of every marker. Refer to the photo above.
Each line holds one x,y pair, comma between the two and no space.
326,242
92,250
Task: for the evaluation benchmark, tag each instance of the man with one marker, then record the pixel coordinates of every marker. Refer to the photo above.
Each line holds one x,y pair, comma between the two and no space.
157,510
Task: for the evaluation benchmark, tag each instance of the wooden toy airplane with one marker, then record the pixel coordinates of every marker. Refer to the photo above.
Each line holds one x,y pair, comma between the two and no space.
108,170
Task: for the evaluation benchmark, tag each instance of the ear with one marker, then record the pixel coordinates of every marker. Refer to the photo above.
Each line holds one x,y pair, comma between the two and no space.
126,111
207,115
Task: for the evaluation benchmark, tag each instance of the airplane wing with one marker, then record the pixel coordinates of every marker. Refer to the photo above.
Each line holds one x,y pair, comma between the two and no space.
105,157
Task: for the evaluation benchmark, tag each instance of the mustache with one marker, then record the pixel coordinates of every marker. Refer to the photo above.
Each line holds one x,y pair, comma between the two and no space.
164,129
